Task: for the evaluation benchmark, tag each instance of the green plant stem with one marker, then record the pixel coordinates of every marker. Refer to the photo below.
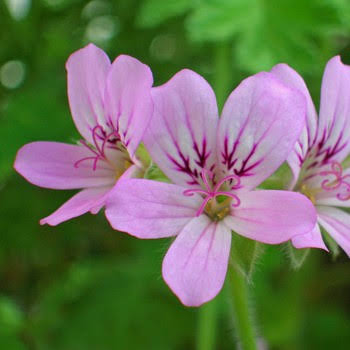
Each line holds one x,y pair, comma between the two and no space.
240,304
207,326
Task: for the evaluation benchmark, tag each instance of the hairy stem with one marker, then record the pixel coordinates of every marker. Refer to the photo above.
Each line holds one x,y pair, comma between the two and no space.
240,304
207,326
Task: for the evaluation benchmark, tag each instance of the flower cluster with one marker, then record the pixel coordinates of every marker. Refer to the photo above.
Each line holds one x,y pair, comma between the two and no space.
213,164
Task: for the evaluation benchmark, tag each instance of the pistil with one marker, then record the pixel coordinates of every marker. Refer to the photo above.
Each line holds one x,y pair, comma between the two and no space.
214,208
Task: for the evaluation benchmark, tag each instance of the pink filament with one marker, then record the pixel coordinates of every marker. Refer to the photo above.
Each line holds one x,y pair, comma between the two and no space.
212,193
99,149
328,185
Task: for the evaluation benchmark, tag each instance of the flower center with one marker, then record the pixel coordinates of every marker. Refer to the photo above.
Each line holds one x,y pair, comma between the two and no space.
334,180
216,203
102,141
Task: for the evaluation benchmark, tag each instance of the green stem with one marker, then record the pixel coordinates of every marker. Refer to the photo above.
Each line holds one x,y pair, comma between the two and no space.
207,326
240,303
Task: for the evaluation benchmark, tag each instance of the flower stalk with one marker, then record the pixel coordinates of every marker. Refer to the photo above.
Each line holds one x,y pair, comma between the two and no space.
240,308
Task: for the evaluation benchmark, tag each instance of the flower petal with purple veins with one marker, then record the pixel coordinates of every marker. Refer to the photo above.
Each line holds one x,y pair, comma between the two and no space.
307,138
196,263
128,101
58,165
181,138
337,223
252,138
87,70
272,217
150,209
333,139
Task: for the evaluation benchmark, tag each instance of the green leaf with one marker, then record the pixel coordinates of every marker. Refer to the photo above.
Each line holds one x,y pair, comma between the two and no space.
221,19
245,254
10,342
269,32
110,300
155,12
154,173
279,179
11,317
297,256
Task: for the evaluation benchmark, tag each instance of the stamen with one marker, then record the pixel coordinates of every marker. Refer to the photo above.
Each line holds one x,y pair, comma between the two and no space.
338,182
213,193
190,192
231,195
344,196
337,170
100,139
228,178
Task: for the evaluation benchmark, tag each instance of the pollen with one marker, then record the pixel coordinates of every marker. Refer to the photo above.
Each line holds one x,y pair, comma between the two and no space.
217,211
309,193
120,171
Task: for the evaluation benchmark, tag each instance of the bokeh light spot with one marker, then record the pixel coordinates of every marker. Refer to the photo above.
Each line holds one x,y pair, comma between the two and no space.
101,29
12,74
18,8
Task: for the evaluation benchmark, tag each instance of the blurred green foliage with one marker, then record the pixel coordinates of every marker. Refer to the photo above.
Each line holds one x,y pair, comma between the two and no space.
83,286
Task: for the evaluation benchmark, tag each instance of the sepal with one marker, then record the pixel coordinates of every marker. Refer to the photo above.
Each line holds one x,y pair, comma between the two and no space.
245,254
297,257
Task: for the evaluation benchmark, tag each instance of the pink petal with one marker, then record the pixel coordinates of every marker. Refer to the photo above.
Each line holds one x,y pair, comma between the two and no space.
91,199
334,123
312,239
337,223
181,138
54,165
128,99
260,123
307,138
272,217
87,71
150,209
196,263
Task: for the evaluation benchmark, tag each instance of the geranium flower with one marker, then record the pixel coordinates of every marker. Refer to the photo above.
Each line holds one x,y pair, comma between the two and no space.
214,165
319,152
111,107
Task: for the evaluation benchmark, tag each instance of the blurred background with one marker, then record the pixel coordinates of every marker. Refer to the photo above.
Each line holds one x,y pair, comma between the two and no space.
83,286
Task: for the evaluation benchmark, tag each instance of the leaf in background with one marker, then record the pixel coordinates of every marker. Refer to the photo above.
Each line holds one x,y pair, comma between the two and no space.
38,113
272,31
11,317
108,303
279,180
155,12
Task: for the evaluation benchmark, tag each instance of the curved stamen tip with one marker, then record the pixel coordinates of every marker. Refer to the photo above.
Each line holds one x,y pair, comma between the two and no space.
237,204
101,140
329,185
192,191
188,193
215,192
233,186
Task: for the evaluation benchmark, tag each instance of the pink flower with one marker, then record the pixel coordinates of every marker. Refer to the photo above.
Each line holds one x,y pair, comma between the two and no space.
215,165
319,152
111,107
